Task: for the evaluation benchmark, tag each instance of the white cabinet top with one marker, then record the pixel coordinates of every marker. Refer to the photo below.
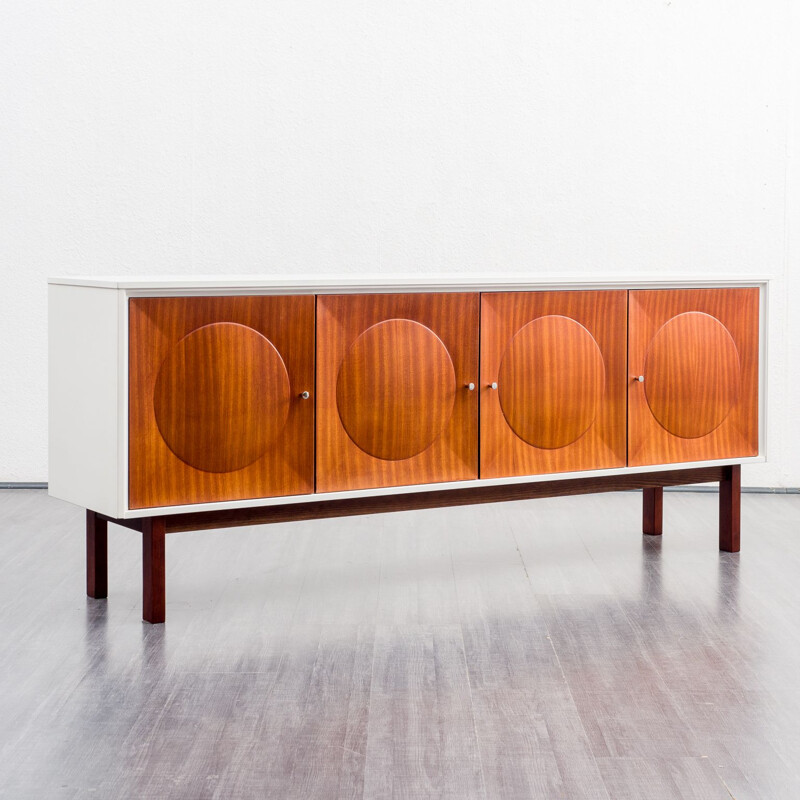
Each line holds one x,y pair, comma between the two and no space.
327,284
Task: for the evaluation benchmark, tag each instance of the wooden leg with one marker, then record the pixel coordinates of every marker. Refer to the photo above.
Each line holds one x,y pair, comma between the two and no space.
653,510
153,570
96,555
730,495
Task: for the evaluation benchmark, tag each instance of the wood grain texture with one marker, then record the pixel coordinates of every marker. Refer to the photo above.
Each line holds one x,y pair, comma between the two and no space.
698,352
730,505
688,778
215,406
551,382
421,739
272,674
392,402
558,359
223,383
154,579
689,351
96,555
395,389
652,510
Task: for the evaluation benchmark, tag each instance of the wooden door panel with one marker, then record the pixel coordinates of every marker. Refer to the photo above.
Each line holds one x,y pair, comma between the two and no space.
215,406
393,405
698,352
558,360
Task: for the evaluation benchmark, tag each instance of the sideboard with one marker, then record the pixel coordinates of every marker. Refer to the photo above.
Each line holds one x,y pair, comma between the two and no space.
192,403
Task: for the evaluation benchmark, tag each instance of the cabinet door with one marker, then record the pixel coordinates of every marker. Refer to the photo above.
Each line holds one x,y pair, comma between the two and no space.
215,398
698,352
558,362
393,402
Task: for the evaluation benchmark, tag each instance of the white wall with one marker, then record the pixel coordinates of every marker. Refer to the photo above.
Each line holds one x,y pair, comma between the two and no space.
635,136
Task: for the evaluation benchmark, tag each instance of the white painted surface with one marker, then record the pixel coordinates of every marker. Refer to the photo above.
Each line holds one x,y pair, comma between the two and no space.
84,402
281,138
342,284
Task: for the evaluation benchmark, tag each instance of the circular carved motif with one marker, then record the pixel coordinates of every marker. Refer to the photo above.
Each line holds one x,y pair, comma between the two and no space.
221,397
396,389
551,381
691,374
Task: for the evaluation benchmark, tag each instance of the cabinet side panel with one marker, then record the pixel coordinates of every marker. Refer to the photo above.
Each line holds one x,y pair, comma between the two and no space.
83,352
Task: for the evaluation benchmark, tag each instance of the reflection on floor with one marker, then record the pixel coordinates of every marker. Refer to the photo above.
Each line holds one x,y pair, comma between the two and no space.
540,649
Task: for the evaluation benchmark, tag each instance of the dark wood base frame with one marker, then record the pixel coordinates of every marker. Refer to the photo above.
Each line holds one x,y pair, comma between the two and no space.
154,529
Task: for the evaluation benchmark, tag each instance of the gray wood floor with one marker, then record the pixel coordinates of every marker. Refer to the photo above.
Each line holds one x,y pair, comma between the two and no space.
538,649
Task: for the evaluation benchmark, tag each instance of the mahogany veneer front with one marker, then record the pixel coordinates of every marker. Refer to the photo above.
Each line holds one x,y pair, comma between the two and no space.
558,359
216,411
698,352
393,405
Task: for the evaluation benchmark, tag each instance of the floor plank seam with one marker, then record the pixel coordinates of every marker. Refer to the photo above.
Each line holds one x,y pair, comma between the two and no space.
466,673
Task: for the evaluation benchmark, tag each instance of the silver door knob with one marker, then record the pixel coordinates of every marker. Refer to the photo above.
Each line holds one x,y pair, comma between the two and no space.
493,385
639,378
305,395
471,386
